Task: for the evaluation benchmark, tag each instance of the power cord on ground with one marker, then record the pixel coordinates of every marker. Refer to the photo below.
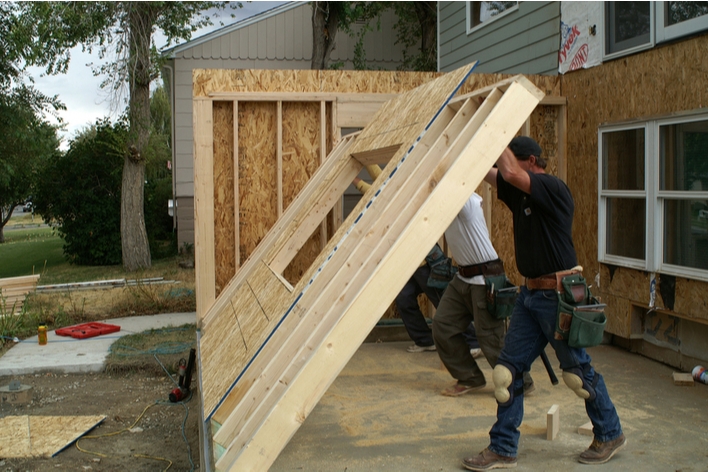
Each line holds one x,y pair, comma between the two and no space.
157,402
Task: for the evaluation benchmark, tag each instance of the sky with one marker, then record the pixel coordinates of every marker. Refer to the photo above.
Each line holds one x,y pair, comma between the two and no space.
80,90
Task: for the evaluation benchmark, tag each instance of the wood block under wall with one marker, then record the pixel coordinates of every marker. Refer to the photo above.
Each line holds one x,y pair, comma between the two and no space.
682,380
586,429
552,423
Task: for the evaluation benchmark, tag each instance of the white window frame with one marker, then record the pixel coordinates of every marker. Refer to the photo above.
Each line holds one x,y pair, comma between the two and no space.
685,28
468,17
604,194
625,52
655,199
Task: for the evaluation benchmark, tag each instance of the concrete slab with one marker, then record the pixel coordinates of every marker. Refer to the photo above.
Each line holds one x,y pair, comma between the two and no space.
70,355
384,412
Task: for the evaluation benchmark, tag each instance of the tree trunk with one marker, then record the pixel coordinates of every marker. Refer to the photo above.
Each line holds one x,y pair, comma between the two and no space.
134,240
428,17
325,23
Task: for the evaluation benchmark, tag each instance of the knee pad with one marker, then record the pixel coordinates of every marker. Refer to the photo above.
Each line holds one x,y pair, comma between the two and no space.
575,380
504,376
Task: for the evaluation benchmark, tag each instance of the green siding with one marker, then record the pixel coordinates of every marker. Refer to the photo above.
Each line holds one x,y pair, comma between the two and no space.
525,41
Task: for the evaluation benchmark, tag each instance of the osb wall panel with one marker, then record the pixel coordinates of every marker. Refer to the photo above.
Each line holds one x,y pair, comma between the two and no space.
691,298
658,82
257,144
257,171
224,205
301,158
206,81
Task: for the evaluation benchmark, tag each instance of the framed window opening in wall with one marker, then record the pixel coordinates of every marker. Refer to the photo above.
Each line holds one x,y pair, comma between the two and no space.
629,27
653,195
480,14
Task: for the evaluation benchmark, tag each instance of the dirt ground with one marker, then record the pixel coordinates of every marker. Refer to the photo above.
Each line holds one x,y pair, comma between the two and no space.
157,439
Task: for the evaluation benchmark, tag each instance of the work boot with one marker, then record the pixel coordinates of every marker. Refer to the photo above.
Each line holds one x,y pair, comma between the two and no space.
601,452
488,460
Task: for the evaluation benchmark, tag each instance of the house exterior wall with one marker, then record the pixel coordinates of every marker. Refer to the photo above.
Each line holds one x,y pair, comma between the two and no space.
638,86
532,48
281,40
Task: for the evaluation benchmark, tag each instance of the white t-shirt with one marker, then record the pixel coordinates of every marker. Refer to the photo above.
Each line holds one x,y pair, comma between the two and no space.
468,238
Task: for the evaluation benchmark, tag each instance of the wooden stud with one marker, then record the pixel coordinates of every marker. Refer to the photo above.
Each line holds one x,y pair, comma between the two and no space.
279,157
323,156
562,127
237,219
552,423
205,277
338,209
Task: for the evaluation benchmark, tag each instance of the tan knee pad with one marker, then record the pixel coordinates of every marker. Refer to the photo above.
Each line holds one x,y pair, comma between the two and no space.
575,383
502,378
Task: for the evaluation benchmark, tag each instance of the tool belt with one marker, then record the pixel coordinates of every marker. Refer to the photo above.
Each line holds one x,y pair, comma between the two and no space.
550,281
495,267
581,317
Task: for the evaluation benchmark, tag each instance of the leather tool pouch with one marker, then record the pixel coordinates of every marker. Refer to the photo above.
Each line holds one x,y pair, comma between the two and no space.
501,296
581,318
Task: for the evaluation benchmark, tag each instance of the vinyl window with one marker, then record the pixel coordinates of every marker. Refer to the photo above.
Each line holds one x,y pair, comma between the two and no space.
653,195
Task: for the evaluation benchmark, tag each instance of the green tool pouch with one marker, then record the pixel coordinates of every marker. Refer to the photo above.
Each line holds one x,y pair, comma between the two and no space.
441,269
581,318
501,296
588,325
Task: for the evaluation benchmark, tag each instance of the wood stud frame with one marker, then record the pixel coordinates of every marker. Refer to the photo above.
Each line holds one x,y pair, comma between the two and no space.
268,350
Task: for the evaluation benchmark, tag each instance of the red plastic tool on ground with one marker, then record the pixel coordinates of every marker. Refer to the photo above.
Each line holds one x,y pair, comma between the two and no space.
87,330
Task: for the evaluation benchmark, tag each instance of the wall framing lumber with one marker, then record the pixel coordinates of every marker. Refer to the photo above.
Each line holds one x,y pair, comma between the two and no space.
279,346
439,200
270,343
342,274
205,282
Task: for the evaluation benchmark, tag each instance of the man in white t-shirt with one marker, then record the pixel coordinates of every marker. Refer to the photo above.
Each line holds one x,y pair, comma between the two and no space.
465,301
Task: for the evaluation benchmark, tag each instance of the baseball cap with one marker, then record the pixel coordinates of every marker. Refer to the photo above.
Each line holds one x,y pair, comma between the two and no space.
523,146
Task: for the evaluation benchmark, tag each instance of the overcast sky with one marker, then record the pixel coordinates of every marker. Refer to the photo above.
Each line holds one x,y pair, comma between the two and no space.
80,91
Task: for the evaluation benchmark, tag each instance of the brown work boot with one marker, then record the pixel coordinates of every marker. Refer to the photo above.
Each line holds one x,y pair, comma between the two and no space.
601,452
488,460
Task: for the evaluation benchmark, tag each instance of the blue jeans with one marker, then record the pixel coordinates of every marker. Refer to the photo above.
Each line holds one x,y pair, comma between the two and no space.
532,326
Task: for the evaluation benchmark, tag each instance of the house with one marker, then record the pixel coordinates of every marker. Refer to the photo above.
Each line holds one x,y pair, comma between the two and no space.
635,80
280,38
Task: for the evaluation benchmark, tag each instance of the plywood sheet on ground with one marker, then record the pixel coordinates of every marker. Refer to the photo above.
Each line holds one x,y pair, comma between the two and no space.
34,436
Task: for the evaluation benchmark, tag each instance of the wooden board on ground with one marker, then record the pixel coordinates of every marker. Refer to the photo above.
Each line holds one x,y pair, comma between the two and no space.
682,379
34,436
552,423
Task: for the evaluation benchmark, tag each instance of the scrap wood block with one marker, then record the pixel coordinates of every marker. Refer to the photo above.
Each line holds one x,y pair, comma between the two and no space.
586,429
552,423
682,379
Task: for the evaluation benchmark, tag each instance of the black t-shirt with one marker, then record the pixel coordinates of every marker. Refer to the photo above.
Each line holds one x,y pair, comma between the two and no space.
542,224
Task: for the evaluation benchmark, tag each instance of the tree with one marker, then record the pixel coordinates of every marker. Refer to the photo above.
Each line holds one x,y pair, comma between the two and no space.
126,30
28,141
416,29
417,25
79,193
329,17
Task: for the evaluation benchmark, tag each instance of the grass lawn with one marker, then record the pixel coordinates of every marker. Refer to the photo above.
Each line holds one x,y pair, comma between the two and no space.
30,251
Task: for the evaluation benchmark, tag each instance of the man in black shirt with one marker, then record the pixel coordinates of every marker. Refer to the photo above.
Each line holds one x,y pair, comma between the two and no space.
542,209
